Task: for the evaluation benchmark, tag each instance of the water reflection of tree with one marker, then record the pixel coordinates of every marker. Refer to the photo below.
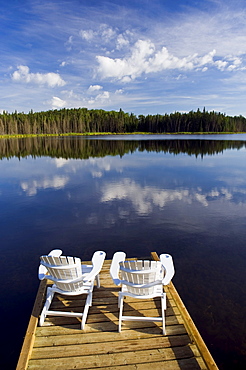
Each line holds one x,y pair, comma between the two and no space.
81,148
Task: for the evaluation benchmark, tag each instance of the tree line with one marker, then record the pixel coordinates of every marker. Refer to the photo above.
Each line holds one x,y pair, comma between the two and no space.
75,148
83,120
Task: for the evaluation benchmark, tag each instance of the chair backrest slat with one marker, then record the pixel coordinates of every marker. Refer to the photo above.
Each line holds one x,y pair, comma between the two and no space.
64,268
141,273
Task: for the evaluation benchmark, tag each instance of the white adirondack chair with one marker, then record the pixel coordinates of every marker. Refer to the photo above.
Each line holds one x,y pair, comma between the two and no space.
142,280
70,278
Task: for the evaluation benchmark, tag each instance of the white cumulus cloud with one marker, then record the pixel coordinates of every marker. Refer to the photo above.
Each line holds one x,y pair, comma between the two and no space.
57,102
63,64
236,64
87,35
104,96
93,88
132,66
22,74
221,65
121,42
145,59
107,32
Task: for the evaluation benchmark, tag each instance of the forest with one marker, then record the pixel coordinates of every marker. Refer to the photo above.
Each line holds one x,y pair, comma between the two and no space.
83,120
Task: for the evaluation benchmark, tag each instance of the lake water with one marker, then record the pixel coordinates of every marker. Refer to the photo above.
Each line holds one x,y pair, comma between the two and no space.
182,195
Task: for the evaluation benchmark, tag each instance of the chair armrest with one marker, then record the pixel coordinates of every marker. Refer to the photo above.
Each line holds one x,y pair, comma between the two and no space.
115,267
97,262
167,263
42,270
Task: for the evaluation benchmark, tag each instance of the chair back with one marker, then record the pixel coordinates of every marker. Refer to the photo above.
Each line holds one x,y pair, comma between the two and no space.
64,271
141,277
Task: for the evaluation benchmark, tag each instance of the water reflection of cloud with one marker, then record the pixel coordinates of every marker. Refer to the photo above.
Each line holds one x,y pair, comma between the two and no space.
145,198
60,162
238,179
96,166
201,198
92,219
226,193
96,174
31,187
101,163
142,198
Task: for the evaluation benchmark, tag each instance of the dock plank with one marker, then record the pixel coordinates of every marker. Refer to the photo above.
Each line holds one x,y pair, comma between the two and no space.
70,350
74,338
144,357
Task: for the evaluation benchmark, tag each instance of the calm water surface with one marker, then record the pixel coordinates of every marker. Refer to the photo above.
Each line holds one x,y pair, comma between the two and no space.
169,194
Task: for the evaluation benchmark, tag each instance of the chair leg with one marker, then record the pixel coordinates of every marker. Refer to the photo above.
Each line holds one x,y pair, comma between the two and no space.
49,297
121,301
86,309
163,308
98,281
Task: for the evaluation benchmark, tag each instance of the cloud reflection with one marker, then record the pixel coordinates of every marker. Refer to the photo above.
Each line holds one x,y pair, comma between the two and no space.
31,187
145,198
96,166
61,162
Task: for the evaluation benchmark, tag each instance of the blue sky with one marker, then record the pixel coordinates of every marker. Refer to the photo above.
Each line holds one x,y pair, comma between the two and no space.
145,57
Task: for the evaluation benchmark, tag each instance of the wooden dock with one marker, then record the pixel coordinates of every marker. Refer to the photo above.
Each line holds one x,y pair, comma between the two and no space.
60,343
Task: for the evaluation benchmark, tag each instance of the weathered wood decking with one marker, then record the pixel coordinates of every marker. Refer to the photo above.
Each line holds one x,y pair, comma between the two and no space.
60,344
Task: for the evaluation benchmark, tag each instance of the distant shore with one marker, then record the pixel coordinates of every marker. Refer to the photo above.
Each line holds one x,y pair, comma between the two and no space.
113,133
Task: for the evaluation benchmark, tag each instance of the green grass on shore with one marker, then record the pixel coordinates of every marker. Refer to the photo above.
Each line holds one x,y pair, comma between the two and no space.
113,133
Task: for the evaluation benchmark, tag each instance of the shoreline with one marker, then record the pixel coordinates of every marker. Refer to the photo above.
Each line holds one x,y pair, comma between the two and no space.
19,136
